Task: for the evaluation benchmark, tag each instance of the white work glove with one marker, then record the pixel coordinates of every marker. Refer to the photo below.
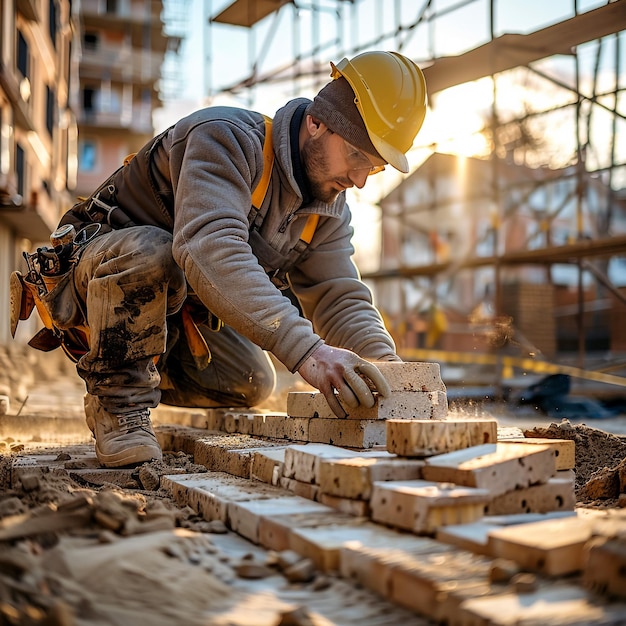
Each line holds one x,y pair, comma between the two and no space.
354,378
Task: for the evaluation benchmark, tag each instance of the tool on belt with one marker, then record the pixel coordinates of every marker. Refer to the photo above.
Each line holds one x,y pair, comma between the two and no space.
46,267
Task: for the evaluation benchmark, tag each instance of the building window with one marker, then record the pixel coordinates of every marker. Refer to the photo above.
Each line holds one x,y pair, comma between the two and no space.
22,55
91,41
52,22
20,169
89,100
50,108
87,156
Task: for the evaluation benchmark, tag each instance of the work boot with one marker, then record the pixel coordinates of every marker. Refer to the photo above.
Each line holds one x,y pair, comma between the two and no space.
122,439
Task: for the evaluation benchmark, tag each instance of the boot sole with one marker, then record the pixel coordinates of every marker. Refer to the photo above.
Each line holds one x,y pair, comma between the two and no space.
129,457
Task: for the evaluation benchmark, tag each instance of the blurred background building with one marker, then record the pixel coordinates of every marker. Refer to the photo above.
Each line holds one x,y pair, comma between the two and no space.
505,245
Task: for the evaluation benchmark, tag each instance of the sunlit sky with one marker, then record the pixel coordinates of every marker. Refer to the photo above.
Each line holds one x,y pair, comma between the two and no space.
219,56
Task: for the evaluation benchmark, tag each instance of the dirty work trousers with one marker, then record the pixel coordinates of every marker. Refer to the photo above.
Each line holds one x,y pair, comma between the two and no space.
130,291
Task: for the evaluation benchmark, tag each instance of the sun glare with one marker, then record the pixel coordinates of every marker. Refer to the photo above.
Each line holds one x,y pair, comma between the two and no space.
456,118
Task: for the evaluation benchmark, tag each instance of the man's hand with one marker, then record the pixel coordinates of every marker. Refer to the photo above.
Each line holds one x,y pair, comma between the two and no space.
329,368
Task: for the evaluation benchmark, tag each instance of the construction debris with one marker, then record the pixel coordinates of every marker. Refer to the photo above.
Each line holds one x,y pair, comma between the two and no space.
435,518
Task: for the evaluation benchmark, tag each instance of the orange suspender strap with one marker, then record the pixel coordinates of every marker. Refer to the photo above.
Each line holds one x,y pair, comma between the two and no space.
309,228
259,193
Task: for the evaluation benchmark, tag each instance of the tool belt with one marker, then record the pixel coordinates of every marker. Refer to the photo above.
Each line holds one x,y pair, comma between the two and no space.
48,287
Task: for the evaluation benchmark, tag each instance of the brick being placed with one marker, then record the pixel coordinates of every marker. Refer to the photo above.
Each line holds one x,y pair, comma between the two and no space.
499,468
564,449
398,405
353,478
422,507
558,494
421,438
412,376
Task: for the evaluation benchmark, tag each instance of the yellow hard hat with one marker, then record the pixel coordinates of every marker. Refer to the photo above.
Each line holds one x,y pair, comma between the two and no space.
390,94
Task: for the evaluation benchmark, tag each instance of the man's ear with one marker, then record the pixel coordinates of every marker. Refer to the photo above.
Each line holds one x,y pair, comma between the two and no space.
313,125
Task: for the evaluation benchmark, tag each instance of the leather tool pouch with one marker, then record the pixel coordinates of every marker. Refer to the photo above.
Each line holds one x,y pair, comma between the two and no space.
22,302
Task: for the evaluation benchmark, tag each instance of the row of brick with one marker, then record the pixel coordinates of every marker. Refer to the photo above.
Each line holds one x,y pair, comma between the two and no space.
421,472
432,577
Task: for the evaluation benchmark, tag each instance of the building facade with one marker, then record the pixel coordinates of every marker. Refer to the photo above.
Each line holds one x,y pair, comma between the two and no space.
79,82
38,130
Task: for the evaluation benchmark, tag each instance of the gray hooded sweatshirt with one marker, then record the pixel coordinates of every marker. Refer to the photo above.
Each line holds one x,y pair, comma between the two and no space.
196,181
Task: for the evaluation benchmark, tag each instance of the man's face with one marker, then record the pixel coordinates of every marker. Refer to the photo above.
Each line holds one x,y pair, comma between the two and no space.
332,165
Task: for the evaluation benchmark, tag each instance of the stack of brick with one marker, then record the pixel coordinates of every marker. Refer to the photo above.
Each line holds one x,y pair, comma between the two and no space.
417,392
433,471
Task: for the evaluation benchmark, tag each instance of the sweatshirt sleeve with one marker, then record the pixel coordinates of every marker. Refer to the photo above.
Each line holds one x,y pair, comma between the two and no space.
335,299
220,161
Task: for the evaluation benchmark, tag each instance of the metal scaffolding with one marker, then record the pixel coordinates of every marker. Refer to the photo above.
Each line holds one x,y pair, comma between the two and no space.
575,58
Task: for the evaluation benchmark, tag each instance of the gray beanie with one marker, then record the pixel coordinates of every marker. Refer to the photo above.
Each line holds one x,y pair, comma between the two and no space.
334,106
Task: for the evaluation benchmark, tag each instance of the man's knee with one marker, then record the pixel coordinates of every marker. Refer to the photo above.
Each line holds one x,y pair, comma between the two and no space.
261,381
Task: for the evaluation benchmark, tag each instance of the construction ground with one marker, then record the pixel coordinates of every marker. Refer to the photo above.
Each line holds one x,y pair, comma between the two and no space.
268,518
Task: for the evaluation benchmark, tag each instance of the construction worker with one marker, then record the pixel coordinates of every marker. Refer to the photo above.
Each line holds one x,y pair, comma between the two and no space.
176,277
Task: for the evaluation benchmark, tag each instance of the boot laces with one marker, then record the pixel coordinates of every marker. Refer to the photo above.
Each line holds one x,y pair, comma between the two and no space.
133,420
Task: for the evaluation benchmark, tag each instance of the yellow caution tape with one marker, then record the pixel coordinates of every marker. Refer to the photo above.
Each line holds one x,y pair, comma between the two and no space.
509,362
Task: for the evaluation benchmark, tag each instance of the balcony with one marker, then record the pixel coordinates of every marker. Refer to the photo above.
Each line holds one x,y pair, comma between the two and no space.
124,64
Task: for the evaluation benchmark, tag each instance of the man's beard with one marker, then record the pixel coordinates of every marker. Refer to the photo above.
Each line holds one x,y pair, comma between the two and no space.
316,170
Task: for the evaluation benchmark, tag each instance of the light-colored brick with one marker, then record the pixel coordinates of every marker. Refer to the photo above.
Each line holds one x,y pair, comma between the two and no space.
276,426
555,495
421,582
353,477
553,547
228,453
564,449
323,544
275,531
412,376
302,461
267,465
357,508
304,490
209,494
419,438
421,506
244,517
497,467
371,566
398,405
475,536
565,604
350,433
